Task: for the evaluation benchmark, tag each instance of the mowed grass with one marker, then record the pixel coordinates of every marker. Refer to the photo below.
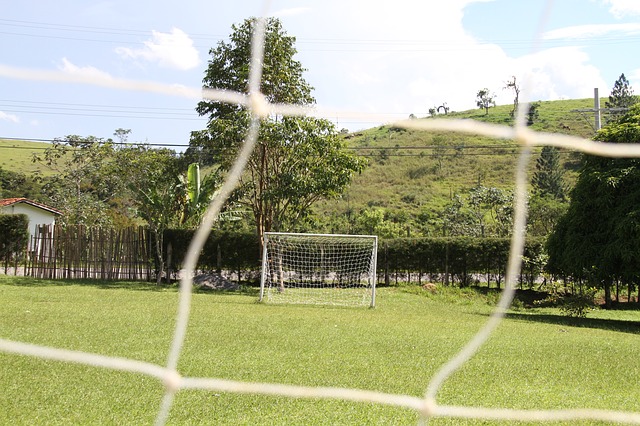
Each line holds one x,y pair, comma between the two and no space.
537,359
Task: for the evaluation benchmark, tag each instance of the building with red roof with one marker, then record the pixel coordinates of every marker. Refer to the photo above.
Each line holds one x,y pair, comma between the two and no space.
38,213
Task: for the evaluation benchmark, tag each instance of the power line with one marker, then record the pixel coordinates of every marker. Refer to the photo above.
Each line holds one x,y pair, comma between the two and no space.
426,151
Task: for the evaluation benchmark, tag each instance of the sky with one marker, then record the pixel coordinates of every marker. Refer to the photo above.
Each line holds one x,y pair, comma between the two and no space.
384,59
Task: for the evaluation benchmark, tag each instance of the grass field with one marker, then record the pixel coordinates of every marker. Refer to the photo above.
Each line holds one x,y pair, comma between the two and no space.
537,358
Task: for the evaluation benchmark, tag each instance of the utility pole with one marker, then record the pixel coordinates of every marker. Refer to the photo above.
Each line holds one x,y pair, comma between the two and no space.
597,110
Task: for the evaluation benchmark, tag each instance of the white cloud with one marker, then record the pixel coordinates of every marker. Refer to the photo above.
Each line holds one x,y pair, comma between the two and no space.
291,12
621,8
561,73
171,50
87,72
590,31
9,117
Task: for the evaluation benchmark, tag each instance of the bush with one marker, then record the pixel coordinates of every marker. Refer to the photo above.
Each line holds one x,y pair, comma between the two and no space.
14,235
572,305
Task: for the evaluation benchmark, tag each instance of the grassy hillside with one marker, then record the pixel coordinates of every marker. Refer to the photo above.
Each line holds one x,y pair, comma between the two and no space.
413,172
16,156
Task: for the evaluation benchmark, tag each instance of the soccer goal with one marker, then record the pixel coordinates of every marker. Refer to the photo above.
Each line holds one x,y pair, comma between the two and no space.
326,269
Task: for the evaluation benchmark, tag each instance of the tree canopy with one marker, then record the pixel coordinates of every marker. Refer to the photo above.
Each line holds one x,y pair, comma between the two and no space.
548,177
621,97
297,160
598,239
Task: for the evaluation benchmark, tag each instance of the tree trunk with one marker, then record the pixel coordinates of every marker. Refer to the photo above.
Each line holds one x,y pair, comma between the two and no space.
607,294
159,257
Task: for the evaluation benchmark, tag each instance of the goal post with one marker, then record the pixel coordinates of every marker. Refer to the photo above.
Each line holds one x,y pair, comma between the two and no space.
323,269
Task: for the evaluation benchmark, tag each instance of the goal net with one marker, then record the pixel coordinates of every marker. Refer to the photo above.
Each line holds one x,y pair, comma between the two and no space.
326,269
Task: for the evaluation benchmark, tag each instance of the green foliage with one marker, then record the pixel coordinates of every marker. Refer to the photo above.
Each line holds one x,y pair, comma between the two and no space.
576,305
548,178
598,238
483,212
298,160
621,98
198,194
533,113
14,236
485,99
18,185
223,250
374,222
83,179
544,213
152,177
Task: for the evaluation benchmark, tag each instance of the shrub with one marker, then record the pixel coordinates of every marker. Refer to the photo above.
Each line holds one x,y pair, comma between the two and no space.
14,235
572,305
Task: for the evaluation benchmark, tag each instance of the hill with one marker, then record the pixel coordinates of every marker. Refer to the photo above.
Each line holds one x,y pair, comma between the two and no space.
415,173
411,174
16,156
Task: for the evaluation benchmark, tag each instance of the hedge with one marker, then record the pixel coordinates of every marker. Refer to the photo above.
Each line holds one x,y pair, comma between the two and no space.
14,236
460,260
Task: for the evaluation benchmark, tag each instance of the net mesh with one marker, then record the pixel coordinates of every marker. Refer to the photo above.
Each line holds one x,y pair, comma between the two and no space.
319,269
426,406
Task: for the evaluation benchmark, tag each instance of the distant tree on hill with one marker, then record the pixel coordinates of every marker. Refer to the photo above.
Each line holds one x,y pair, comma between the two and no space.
485,100
83,182
621,97
513,85
16,184
533,113
548,178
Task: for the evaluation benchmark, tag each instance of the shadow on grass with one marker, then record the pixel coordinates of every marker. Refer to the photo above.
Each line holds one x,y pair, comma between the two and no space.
622,326
117,285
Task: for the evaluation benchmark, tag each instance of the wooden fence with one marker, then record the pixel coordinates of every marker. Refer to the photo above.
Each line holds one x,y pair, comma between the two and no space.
78,252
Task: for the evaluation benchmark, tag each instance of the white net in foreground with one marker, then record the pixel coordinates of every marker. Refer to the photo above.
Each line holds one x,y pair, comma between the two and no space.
426,406
323,269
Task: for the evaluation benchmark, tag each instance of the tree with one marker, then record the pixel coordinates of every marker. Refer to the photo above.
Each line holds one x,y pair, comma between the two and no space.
485,100
297,160
533,113
197,195
621,97
122,134
152,177
83,181
512,85
16,184
492,210
548,178
598,239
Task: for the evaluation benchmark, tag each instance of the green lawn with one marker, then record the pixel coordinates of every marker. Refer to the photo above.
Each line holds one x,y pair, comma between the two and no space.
537,358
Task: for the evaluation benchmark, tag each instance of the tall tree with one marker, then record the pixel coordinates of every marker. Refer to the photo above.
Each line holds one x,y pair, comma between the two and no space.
152,177
598,239
485,100
621,97
297,160
548,178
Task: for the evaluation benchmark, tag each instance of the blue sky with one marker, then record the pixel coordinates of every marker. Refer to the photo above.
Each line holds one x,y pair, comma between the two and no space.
384,59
